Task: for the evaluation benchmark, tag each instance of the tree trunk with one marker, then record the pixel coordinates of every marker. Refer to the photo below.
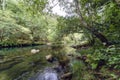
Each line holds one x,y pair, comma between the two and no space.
3,4
102,38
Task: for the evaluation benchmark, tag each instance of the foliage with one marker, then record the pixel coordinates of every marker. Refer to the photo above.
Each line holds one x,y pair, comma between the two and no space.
110,55
34,6
80,71
10,32
16,21
27,22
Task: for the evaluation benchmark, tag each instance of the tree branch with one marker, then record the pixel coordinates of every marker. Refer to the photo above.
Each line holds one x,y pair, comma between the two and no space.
89,27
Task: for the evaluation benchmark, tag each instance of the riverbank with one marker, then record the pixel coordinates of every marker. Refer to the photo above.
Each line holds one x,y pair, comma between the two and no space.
20,45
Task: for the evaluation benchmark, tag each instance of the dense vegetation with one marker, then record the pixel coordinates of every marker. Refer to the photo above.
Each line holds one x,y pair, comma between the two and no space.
90,26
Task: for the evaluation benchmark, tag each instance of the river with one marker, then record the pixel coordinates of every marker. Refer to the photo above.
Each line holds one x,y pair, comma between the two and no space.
21,64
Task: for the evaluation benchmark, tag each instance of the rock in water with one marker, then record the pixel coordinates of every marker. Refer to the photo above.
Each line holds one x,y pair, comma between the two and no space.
34,51
49,44
49,58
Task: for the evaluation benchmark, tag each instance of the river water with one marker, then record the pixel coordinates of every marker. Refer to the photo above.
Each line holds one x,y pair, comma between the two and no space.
21,64
47,74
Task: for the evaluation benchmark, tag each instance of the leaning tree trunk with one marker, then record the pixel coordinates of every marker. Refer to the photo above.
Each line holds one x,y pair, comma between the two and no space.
94,32
101,37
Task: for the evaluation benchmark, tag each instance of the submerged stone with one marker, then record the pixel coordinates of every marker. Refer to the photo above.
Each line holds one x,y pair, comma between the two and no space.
34,51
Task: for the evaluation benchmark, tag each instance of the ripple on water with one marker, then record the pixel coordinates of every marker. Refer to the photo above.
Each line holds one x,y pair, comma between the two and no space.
47,74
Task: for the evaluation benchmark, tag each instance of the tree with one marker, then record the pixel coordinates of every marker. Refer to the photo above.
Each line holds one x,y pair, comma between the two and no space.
90,27
91,15
3,4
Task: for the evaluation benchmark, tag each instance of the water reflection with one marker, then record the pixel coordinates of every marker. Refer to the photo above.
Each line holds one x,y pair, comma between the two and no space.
21,64
18,61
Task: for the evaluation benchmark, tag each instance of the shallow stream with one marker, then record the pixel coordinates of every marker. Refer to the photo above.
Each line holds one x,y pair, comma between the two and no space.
21,64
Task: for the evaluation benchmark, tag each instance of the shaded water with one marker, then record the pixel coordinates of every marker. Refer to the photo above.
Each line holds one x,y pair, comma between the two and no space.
20,64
